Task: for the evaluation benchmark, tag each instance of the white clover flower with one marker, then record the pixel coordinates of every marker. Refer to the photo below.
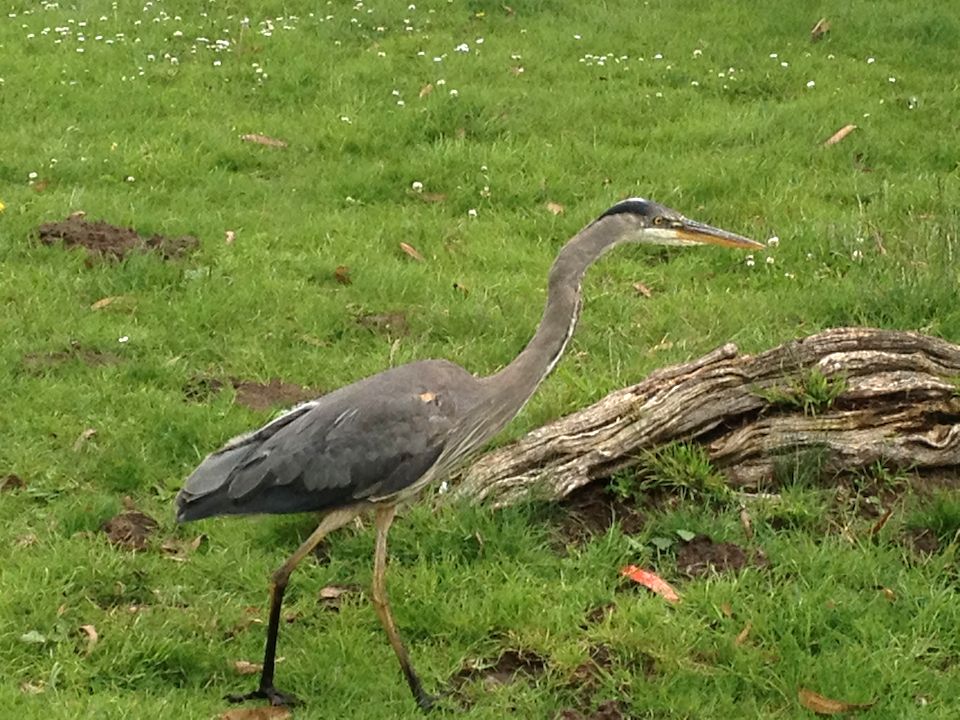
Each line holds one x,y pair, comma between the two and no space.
871,61
773,241
770,260
811,84
416,186
462,48
454,92
749,261
130,178
472,212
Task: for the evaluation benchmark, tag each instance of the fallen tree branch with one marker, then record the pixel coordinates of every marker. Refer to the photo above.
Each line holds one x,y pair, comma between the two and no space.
854,396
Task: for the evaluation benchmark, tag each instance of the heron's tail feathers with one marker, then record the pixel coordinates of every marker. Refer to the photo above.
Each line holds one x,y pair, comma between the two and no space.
204,492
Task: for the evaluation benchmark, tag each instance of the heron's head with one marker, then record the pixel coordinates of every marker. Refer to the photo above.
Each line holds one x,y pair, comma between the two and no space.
644,221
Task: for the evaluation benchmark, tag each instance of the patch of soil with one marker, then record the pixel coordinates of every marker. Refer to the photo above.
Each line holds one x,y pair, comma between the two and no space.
392,323
131,529
598,614
702,556
201,388
504,670
12,482
600,661
263,396
607,710
102,238
40,361
922,541
254,395
593,509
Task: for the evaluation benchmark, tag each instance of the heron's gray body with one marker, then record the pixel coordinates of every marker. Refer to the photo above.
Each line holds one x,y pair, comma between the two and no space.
365,442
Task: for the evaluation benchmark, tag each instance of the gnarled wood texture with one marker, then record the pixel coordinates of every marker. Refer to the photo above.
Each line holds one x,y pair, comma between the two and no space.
897,401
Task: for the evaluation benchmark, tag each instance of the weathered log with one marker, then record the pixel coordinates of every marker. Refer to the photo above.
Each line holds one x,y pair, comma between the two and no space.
854,396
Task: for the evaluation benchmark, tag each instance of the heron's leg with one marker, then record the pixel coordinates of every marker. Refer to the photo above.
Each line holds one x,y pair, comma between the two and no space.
328,524
381,604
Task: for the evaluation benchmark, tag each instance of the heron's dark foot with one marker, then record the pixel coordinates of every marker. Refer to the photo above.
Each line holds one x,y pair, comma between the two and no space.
267,693
427,702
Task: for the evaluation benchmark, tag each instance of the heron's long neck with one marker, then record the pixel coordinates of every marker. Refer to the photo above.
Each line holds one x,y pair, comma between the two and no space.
517,381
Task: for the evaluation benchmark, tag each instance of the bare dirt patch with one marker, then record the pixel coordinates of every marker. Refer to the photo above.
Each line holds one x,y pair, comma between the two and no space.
11,482
702,556
507,668
593,509
254,395
391,323
131,529
263,396
922,541
39,361
100,238
607,710
587,673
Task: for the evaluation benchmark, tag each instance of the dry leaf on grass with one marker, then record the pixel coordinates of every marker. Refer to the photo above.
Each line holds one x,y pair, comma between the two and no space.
342,275
426,90
90,632
826,706
746,523
432,197
268,712
819,30
178,549
32,688
83,437
555,208
742,635
245,667
108,301
642,289
411,251
651,581
878,525
263,140
332,596
839,135
11,482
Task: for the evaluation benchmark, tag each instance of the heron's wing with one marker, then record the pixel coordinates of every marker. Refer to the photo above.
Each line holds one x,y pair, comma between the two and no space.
365,441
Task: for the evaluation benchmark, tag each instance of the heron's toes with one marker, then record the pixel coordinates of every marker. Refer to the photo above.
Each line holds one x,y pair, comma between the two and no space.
276,697
427,702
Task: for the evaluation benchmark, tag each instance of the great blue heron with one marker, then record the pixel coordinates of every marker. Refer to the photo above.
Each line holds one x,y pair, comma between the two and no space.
372,444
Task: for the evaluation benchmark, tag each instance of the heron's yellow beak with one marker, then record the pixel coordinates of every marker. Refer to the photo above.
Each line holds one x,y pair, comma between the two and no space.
693,231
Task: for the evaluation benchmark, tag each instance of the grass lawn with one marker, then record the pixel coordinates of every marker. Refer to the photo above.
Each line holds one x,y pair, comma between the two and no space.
483,137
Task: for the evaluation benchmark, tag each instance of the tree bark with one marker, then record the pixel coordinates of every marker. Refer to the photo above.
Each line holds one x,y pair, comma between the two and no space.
850,396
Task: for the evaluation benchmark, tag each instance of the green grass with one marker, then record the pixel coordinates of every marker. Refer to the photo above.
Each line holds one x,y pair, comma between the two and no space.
868,234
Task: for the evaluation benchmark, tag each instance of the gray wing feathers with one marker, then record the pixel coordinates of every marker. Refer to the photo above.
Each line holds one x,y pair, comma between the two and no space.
365,441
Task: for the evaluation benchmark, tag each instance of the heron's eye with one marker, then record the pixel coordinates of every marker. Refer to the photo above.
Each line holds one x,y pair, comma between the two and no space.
658,220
